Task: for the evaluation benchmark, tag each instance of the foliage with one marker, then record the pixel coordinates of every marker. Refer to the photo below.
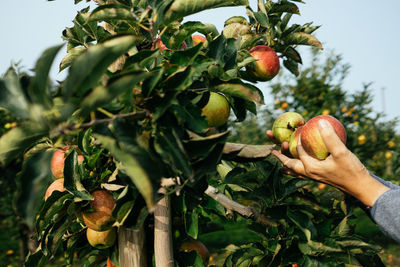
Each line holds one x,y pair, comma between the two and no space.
133,110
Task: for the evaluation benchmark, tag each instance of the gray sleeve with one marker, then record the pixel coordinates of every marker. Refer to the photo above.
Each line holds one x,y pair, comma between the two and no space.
385,212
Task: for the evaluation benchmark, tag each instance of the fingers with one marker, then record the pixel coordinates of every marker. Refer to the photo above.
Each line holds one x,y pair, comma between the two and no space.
293,164
332,141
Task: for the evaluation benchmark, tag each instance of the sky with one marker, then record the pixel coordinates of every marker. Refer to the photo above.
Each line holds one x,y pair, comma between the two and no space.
366,33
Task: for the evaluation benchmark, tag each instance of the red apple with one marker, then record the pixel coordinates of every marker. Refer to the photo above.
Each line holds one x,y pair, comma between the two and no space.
294,139
311,139
57,162
266,66
216,110
196,38
57,185
285,125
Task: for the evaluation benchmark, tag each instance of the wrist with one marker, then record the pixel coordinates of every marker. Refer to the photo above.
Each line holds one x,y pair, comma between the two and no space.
367,189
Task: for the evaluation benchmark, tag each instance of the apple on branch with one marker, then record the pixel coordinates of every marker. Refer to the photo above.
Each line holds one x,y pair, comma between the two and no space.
267,64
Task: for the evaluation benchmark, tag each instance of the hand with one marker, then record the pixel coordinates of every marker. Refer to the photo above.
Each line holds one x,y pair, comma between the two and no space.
341,168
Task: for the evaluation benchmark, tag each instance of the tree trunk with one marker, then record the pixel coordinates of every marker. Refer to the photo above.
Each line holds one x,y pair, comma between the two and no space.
131,247
163,233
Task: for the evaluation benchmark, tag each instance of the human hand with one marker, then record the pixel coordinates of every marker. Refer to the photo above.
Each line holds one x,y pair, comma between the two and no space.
341,168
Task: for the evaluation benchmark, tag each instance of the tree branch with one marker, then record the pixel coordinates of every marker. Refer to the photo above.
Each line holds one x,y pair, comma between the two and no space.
226,202
245,211
62,129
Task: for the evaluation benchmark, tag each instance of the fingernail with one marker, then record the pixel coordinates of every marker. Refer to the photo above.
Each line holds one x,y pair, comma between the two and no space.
323,124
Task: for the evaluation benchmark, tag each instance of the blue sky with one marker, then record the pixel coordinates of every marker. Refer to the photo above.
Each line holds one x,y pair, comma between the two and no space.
366,33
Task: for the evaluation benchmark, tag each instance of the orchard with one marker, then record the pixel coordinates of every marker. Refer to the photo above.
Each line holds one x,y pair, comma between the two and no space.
129,161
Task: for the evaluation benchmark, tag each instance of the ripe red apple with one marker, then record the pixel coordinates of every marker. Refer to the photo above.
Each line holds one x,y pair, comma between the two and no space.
311,139
57,185
294,139
100,217
196,38
266,66
57,162
101,240
216,110
285,125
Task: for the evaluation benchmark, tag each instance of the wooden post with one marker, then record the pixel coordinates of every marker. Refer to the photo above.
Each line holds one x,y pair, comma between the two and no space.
163,233
131,247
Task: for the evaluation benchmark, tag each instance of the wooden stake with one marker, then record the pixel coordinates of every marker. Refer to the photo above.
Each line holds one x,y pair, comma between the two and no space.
131,247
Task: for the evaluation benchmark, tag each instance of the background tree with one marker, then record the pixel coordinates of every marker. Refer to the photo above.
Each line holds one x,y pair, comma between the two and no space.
153,169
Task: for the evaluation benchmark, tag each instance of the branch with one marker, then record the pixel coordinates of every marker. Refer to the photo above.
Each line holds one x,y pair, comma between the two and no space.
229,204
245,211
62,129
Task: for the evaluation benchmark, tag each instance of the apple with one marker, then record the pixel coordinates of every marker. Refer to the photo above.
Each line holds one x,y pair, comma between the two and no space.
294,139
311,139
216,110
266,66
101,239
57,162
57,185
196,38
285,125
199,247
100,217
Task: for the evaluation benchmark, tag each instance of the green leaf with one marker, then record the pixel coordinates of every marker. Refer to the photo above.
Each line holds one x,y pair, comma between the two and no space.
343,228
302,38
302,221
17,140
313,248
12,96
292,66
112,12
124,205
89,67
39,90
262,19
236,236
183,8
132,167
72,179
72,54
242,90
292,53
192,223
172,151
104,95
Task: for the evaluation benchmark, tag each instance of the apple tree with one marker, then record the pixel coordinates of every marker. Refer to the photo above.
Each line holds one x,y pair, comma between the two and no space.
158,185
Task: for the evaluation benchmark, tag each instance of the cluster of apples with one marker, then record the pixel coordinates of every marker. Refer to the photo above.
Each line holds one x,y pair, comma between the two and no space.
290,126
99,220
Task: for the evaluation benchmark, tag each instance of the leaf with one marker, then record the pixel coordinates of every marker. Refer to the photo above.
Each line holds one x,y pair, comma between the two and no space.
313,248
17,140
236,236
292,66
12,96
183,8
89,67
112,12
132,167
302,221
302,38
244,152
192,223
172,151
104,95
292,53
72,179
242,90
39,90
343,228
72,54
